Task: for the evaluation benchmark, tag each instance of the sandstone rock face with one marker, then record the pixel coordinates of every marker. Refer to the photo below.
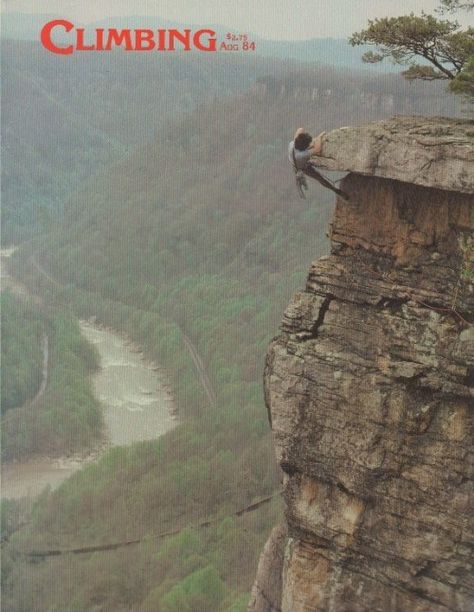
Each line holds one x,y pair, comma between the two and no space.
266,592
370,391
434,152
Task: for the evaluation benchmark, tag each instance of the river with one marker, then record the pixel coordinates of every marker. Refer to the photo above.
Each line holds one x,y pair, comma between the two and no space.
137,404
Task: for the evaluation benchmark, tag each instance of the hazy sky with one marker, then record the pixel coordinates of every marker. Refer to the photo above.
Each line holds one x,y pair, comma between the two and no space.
282,19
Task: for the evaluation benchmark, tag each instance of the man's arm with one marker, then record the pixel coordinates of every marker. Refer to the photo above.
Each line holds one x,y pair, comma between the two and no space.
317,144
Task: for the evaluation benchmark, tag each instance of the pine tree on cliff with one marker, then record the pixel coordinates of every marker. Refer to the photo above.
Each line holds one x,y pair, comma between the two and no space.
447,50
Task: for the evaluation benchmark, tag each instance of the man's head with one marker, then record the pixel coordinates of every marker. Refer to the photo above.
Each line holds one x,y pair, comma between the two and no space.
302,141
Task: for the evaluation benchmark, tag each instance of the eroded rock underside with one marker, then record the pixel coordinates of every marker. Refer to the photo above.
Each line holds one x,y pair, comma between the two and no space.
370,395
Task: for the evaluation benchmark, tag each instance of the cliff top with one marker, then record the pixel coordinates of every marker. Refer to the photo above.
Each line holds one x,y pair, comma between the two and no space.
431,151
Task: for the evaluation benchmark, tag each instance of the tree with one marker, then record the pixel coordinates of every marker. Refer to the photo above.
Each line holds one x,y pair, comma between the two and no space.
455,5
445,50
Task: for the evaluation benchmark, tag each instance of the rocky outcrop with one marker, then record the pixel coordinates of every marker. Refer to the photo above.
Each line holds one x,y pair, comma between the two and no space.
429,151
369,388
267,590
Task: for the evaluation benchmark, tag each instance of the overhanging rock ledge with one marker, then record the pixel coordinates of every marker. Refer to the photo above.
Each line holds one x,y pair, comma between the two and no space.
431,151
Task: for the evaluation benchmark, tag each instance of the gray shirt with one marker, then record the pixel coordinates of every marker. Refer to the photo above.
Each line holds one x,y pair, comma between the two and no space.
301,157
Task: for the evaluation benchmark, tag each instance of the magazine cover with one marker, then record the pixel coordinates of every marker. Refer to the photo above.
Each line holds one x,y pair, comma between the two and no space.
237,300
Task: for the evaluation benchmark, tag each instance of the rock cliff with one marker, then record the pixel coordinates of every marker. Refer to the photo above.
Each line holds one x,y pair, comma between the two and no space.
370,385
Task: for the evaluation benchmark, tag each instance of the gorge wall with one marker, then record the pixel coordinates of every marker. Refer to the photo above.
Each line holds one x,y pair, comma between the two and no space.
370,385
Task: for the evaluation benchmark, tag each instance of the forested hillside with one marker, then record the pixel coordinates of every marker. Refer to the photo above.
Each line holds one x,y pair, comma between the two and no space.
201,233
64,417
63,121
22,357
89,113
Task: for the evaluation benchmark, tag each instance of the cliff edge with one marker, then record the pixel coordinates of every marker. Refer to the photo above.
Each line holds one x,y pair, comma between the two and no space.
370,385
430,151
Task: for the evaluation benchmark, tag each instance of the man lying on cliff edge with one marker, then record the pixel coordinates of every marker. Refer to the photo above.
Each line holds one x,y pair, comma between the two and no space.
300,151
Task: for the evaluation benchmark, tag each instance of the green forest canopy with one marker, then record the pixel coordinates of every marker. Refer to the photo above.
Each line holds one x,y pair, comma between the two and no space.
214,251
67,417
22,358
